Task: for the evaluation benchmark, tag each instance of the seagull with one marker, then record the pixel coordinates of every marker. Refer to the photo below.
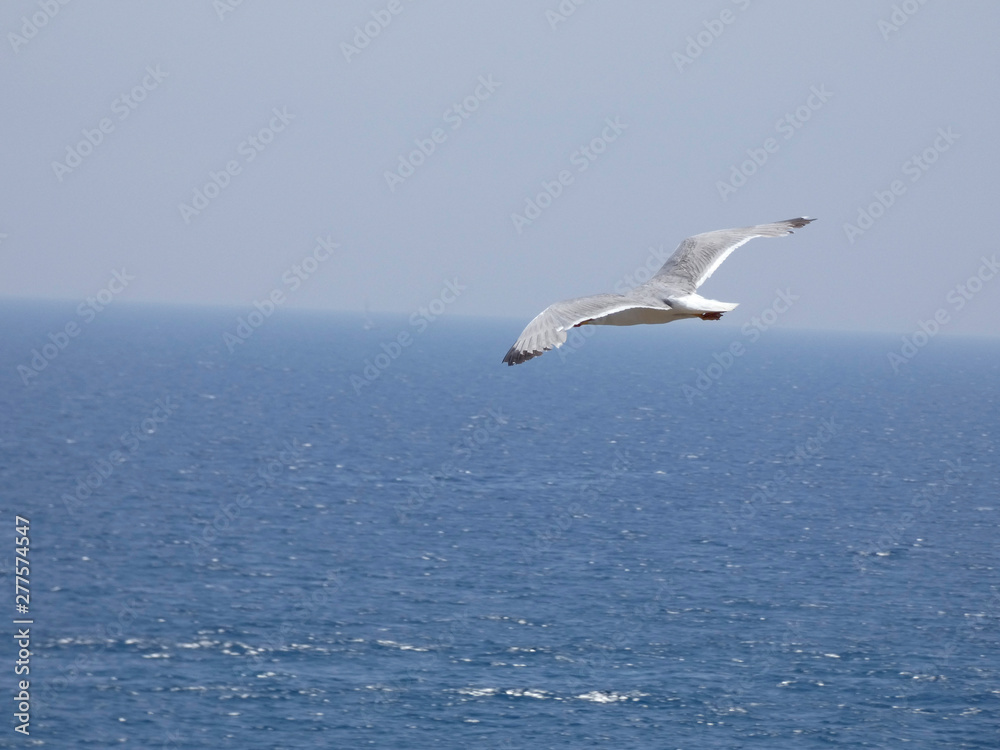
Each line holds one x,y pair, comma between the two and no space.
668,296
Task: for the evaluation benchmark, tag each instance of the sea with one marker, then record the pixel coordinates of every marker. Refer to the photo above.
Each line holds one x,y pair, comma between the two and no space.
328,530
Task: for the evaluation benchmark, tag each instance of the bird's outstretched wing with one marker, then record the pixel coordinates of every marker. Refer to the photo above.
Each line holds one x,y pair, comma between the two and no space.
669,295
697,257
548,329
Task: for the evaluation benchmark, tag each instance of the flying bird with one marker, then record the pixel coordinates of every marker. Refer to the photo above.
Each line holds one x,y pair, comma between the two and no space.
668,296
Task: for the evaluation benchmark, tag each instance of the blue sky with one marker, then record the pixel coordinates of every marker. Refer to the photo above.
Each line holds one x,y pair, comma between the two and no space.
358,155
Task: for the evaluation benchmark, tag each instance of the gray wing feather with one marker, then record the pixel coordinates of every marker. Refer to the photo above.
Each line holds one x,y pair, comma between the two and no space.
697,257
548,329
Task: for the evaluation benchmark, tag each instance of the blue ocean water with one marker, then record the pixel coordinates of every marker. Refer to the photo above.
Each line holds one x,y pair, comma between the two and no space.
325,539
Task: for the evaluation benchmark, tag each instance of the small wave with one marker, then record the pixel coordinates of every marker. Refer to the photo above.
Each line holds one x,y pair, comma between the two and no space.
486,692
400,646
527,693
477,692
610,696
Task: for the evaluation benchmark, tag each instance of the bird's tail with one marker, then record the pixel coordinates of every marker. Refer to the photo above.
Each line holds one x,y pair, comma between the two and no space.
695,303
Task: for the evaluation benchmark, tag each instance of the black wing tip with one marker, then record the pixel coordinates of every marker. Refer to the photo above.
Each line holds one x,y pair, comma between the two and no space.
799,222
515,356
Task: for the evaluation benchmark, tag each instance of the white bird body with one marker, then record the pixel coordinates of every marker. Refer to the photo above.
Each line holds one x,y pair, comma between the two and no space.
670,295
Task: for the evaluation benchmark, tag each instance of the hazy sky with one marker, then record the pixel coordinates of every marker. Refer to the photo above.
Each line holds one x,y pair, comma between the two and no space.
212,152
